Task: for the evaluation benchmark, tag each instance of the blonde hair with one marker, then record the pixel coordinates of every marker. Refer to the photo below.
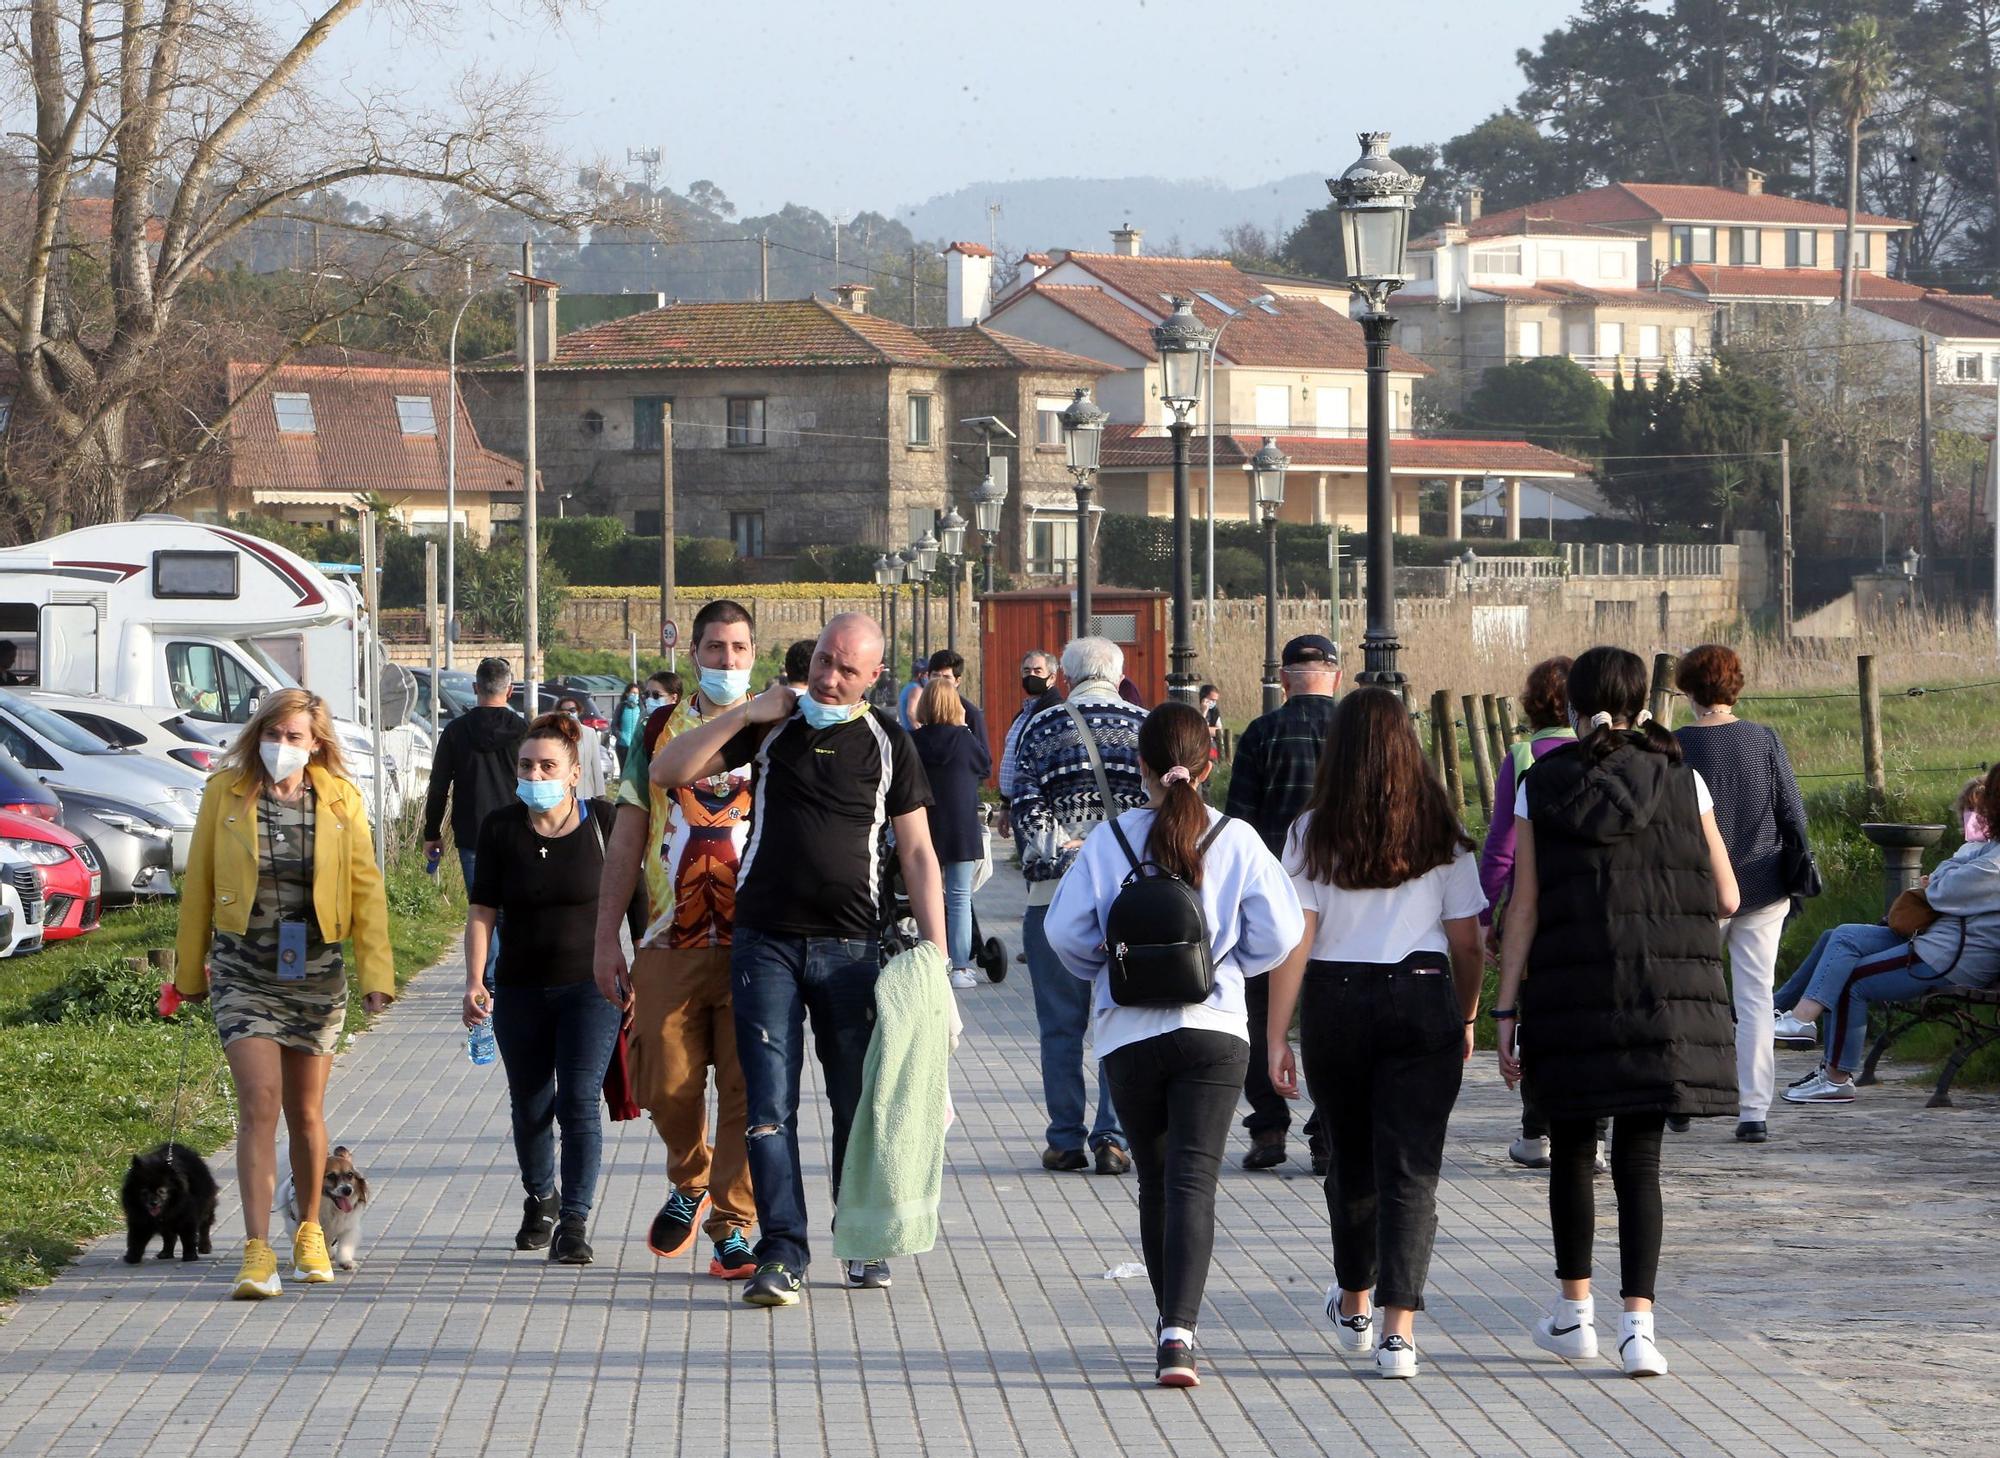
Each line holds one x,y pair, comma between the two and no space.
939,704
245,759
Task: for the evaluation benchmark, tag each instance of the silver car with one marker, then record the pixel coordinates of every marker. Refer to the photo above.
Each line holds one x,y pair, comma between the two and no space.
68,758
134,843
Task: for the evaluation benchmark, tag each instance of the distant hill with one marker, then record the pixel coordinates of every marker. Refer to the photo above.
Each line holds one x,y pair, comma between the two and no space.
1080,212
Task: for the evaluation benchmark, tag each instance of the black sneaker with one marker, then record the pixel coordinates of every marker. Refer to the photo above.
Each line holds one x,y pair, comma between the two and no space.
1111,1160
1267,1150
538,1222
1064,1160
1173,1365
773,1285
569,1247
867,1275
1752,1131
674,1226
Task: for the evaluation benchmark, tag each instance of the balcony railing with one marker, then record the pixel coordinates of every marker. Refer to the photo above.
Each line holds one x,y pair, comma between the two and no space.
1680,366
1686,559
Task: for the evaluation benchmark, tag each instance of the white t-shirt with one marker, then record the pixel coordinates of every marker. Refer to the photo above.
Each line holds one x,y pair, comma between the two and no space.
1384,925
1704,802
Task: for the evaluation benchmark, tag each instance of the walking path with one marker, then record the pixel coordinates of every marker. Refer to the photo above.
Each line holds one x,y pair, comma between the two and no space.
1007,1339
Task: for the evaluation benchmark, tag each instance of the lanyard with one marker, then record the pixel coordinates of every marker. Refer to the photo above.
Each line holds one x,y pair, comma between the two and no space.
307,815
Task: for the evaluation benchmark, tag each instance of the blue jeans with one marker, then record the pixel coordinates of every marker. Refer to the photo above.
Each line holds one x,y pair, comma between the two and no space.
1062,1012
1849,968
958,910
466,861
774,982
555,1043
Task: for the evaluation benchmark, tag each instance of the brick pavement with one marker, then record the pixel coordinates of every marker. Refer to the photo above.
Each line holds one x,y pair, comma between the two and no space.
1007,1339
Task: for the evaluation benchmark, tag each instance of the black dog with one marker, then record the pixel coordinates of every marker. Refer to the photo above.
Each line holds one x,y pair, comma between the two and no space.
169,1193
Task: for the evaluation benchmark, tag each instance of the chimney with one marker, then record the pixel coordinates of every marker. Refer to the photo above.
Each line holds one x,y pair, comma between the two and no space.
1034,265
1749,182
853,296
544,305
968,283
1125,240
1475,203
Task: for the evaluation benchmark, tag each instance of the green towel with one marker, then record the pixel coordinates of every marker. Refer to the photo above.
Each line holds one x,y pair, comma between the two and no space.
893,1174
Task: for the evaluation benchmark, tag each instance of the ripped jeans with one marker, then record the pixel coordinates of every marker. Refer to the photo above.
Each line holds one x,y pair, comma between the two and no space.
775,981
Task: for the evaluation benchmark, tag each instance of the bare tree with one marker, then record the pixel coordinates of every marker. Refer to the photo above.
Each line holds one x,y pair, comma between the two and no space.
207,121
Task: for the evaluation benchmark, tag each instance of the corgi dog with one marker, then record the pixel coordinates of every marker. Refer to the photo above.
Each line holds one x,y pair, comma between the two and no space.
343,1196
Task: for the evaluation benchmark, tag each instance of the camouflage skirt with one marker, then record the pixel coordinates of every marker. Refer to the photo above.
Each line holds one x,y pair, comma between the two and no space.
252,1001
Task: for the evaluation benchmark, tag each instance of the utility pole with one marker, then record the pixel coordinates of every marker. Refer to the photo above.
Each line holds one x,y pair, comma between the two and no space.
666,519
1926,537
764,266
1785,540
431,629
371,679
531,576
913,289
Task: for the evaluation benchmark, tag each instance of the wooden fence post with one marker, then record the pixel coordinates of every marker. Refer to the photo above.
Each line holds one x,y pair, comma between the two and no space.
1482,766
1872,775
1447,742
1662,698
1510,722
1496,737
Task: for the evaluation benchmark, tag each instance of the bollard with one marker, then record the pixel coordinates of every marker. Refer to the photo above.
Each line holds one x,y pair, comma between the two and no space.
1446,736
1482,767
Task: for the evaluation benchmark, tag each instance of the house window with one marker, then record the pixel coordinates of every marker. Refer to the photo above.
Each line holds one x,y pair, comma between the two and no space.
1993,366
1214,303
1861,250
1649,340
1611,339
646,434
746,428
1052,546
1048,422
592,424
1610,263
1746,245
1528,340
295,413
1579,341
1274,407
1424,265
415,415
746,530
1801,248
920,420
1691,245
1330,409
1684,342
1496,263
1968,367
6,413
646,523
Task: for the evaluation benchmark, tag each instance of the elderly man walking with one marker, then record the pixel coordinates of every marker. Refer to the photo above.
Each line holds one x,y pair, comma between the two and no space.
1056,804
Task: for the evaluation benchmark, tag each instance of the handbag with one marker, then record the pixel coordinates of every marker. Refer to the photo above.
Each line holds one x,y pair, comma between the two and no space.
620,1104
1798,868
1910,913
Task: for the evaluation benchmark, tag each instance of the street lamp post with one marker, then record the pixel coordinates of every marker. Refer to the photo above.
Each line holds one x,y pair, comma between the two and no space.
951,544
1183,343
925,557
1374,198
989,500
1267,489
889,573
451,478
1083,438
908,557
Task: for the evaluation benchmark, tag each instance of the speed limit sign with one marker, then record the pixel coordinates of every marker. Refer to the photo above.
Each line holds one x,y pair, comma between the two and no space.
670,635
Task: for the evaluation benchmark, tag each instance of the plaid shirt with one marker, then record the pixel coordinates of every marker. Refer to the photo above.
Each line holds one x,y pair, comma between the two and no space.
1277,760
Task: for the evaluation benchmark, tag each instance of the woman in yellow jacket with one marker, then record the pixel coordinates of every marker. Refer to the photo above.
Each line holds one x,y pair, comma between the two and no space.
282,871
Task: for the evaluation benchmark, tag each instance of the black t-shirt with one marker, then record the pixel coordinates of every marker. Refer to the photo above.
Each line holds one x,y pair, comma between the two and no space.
821,803
546,889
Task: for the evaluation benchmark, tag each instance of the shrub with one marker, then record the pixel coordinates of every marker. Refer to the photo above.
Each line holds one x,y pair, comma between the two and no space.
834,564
105,989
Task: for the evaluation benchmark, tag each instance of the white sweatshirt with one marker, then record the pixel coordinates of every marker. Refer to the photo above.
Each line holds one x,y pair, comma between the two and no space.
1253,915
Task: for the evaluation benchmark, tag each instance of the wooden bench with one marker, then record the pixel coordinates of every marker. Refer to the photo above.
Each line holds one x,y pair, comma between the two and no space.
1974,1013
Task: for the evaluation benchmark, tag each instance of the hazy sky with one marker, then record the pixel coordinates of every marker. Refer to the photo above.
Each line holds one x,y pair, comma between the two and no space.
884,103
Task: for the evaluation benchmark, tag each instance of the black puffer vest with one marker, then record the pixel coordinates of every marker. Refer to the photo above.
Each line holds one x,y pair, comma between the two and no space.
1624,1009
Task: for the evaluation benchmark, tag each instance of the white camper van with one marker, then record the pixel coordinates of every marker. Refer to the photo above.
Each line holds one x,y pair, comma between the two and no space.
203,618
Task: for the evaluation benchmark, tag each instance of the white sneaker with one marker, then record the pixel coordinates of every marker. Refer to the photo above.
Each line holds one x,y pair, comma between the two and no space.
1601,1163
1793,1033
1821,1089
1353,1334
1570,1329
964,977
1396,1358
1531,1153
1637,1349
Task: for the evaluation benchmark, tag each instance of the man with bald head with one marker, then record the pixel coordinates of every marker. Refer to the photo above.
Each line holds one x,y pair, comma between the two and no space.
830,777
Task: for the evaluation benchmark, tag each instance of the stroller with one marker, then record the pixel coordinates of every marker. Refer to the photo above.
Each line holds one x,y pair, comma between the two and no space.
899,930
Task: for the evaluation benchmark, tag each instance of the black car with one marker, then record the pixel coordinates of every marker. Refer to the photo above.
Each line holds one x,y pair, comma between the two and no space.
554,693
25,792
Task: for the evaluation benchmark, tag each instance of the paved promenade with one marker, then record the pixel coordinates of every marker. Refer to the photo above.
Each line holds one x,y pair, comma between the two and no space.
1006,1339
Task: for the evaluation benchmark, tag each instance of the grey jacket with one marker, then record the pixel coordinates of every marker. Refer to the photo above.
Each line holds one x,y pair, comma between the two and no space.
1964,942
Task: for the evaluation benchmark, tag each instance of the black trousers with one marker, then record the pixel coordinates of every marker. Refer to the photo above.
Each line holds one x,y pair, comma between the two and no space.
1535,1124
1176,1096
1384,1052
1635,1179
1270,1111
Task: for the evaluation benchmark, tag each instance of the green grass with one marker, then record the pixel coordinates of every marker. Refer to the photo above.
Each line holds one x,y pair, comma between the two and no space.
87,1071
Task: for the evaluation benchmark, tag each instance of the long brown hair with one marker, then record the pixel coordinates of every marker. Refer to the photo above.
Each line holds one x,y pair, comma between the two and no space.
1175,736
244,757
1379,816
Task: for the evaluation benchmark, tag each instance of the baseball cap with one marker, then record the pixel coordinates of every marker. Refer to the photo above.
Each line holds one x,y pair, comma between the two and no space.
1311,648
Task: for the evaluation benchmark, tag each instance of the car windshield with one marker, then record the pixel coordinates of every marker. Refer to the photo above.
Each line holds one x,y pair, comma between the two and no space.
56,729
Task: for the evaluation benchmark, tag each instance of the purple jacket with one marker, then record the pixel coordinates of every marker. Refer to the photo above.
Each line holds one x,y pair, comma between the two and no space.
1496,861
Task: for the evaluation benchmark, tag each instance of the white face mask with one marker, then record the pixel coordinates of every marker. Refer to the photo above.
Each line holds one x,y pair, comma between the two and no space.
282,761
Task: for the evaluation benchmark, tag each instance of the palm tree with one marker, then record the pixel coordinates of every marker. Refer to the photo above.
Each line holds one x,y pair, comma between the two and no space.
1862,59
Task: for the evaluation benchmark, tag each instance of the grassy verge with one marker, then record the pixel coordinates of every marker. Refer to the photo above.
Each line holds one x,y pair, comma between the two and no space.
88,1070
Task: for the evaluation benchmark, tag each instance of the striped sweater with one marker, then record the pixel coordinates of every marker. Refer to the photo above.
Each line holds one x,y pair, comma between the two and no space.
1056,800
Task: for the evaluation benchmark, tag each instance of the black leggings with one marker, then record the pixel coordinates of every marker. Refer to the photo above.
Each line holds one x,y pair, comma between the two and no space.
1635,1179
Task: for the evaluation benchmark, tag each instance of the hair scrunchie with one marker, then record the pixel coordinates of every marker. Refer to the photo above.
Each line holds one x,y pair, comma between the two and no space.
1178,775
1645,717
1600,720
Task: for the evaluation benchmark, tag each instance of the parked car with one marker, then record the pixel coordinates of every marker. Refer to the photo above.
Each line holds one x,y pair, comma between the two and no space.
72,878
553,693
148,731
456,695
134,844
20,905
68,757
25,793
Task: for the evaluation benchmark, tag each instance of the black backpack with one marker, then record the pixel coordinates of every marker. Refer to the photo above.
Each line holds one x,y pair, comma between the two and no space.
1155,929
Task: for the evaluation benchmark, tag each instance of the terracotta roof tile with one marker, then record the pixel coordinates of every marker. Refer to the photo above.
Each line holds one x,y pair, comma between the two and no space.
1095,307
970,250
1650,202
1531,222
1561,291
1720,281
979,346
357,443
1125,448
1948,316
777,334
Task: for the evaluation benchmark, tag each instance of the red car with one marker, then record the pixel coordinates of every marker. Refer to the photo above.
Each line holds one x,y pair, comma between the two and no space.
72,880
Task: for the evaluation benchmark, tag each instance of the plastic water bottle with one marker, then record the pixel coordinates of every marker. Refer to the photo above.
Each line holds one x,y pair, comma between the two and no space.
479,1044
431,859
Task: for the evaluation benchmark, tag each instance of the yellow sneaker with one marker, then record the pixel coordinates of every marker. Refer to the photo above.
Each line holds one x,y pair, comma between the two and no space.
309,1261
259,1277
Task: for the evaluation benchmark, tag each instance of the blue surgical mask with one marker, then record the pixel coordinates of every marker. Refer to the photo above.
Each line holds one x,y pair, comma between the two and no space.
725,685
541,795
825,716
656,701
